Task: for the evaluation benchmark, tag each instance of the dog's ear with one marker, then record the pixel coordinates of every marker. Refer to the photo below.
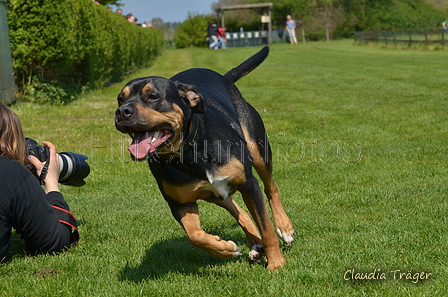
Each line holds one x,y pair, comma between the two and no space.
192,96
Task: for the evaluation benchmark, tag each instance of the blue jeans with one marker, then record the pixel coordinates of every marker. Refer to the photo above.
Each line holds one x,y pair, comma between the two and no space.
214,42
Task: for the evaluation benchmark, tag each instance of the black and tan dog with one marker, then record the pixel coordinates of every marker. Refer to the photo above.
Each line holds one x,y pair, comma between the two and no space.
201,139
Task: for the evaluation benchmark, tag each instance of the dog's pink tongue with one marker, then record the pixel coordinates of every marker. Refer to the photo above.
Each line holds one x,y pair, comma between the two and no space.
141,144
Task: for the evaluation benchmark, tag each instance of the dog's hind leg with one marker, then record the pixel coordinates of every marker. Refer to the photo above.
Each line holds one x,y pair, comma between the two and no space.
244,220
261,155
188,217
281,220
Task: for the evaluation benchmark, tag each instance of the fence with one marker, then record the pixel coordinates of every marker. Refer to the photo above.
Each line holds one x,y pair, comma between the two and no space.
409,37
251,38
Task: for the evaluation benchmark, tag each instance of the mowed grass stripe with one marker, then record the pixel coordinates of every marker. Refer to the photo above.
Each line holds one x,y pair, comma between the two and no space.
359,141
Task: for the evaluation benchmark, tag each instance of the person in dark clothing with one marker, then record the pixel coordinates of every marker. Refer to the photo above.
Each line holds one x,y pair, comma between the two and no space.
42,218
212,34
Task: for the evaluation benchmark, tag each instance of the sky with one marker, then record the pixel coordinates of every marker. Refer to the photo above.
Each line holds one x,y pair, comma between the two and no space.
167,10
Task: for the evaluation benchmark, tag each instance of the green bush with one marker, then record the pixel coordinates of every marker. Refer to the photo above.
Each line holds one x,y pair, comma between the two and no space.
192,32
67,46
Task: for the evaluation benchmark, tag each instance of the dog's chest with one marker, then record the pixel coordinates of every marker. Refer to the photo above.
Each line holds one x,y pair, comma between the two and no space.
219,187
219,183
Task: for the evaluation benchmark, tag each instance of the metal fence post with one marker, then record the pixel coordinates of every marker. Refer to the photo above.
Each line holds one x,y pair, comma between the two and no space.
8,88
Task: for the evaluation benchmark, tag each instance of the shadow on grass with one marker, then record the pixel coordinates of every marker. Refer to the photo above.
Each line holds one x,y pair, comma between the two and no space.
173,256
17,249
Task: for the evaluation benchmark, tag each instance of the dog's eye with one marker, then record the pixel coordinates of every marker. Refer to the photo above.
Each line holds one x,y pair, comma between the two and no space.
153,97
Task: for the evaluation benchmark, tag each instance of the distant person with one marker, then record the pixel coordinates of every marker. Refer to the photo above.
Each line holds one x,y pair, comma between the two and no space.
280,33
445,25
39,216
222,39
291,28
130,18
212,35
119,11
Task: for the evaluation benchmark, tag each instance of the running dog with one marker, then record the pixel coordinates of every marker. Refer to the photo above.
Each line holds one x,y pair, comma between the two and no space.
201,139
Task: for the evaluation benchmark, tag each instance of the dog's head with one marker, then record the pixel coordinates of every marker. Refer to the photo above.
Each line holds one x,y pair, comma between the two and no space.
154,112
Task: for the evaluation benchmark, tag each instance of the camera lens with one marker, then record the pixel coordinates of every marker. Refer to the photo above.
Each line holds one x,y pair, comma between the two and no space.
73,169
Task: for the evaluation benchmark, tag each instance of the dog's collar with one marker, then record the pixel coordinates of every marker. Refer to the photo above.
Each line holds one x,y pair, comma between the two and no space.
185,143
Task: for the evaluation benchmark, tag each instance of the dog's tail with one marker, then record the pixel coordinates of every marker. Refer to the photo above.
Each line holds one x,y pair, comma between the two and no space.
247,66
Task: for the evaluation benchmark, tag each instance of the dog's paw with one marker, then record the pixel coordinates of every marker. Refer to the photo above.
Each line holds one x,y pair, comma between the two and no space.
287,238
256,253
236,249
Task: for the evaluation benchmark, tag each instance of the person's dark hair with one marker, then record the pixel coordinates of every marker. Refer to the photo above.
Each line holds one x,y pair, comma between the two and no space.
12,140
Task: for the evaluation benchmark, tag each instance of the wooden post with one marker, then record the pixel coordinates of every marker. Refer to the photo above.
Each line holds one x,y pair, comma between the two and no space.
269,27
222,20
328,34
303,36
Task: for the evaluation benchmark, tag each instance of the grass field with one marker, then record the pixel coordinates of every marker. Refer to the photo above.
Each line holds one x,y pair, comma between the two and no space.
359,136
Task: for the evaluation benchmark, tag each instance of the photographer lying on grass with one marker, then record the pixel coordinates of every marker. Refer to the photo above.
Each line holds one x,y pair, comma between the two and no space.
41,217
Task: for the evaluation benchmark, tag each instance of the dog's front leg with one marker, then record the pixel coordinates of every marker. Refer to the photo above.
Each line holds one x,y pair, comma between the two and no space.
214,245
243,219
255,203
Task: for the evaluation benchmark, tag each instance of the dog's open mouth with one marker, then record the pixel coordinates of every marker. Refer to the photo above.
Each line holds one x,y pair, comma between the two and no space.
145,143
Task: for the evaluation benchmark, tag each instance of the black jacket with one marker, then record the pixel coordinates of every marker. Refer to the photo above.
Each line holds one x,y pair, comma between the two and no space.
25,207
212,29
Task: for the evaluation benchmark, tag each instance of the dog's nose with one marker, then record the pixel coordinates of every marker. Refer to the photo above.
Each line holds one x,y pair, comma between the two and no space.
125,111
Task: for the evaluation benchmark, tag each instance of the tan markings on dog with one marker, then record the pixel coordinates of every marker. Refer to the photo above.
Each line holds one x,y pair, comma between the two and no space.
252,147
148,88
214,245
126,91
281,220
225,180
176,117
222,183
247,224
189,192
233,169
154,118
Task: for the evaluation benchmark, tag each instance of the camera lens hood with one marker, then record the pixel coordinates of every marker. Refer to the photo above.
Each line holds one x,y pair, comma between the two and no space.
74,169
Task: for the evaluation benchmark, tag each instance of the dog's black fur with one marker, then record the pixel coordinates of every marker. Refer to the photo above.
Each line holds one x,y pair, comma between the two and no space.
202,139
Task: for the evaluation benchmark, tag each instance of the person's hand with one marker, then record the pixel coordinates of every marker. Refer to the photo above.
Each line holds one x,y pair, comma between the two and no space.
52,177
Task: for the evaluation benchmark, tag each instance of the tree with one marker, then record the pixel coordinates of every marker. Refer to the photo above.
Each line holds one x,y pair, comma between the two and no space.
192,32
386,15
111,2
237,18
344,17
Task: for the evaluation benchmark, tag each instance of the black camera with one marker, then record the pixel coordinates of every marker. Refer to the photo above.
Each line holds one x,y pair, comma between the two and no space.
73,167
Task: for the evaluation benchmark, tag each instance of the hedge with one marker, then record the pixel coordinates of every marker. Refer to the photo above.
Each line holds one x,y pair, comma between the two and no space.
62,47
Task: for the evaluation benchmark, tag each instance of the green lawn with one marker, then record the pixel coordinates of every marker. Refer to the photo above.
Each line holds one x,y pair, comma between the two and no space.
359,135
